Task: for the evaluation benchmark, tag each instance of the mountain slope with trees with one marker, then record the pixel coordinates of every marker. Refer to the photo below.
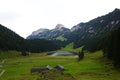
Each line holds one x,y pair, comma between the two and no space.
112,47
90,34
9,40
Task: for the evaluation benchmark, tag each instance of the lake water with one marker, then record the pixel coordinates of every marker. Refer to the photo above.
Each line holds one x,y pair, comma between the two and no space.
63,53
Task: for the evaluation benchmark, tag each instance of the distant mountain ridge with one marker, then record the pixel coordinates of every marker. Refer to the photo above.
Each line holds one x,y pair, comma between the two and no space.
59,30
89,34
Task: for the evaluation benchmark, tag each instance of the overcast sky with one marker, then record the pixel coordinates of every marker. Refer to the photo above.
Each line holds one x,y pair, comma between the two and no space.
26,16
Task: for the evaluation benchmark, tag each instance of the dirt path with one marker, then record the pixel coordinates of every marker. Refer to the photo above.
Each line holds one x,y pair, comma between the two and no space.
2,72
3,61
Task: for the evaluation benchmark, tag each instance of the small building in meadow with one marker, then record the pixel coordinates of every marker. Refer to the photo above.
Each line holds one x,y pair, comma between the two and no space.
59,67
40,69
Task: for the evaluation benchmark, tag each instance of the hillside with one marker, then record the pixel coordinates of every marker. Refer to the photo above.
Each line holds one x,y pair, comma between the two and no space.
89,34
112,47
9,40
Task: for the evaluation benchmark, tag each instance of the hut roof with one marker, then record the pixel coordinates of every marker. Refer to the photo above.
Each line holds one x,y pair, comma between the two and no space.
59,66
49,67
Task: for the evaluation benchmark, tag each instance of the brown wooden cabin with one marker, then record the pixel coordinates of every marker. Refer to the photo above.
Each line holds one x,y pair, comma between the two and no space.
59,67
40,69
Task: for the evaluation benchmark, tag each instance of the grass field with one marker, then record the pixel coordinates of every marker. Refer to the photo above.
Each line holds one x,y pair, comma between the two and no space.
70,47
92,67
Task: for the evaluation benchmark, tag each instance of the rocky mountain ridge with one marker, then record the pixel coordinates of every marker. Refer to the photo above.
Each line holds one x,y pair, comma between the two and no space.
59,30
89,34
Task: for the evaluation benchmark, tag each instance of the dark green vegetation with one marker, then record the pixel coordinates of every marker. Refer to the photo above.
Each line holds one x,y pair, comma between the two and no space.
112,47
91,34
41,45
9,40
81,55
92,67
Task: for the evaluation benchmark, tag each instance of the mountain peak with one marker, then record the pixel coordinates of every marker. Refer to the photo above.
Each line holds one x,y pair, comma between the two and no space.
59,26
59,30
116,9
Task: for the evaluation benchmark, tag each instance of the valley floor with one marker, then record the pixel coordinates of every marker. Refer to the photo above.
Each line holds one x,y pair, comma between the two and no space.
92,67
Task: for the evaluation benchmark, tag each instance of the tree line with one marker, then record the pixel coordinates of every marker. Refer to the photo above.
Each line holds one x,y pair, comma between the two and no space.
111,47
9,40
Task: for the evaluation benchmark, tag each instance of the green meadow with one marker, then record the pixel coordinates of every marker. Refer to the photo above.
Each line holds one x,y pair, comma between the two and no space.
93,67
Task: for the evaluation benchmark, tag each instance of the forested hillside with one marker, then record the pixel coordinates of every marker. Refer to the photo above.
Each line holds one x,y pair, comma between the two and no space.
9,40
89,34
112,47
41,45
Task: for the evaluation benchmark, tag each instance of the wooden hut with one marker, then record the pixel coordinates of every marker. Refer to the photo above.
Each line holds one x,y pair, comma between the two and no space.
59,67
40,69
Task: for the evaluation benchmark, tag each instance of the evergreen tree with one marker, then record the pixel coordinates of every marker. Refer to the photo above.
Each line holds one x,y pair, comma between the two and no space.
80,55
112,47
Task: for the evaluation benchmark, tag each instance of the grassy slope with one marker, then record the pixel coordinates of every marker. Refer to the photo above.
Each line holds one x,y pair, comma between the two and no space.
8,54
61,38
68,47
91,68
